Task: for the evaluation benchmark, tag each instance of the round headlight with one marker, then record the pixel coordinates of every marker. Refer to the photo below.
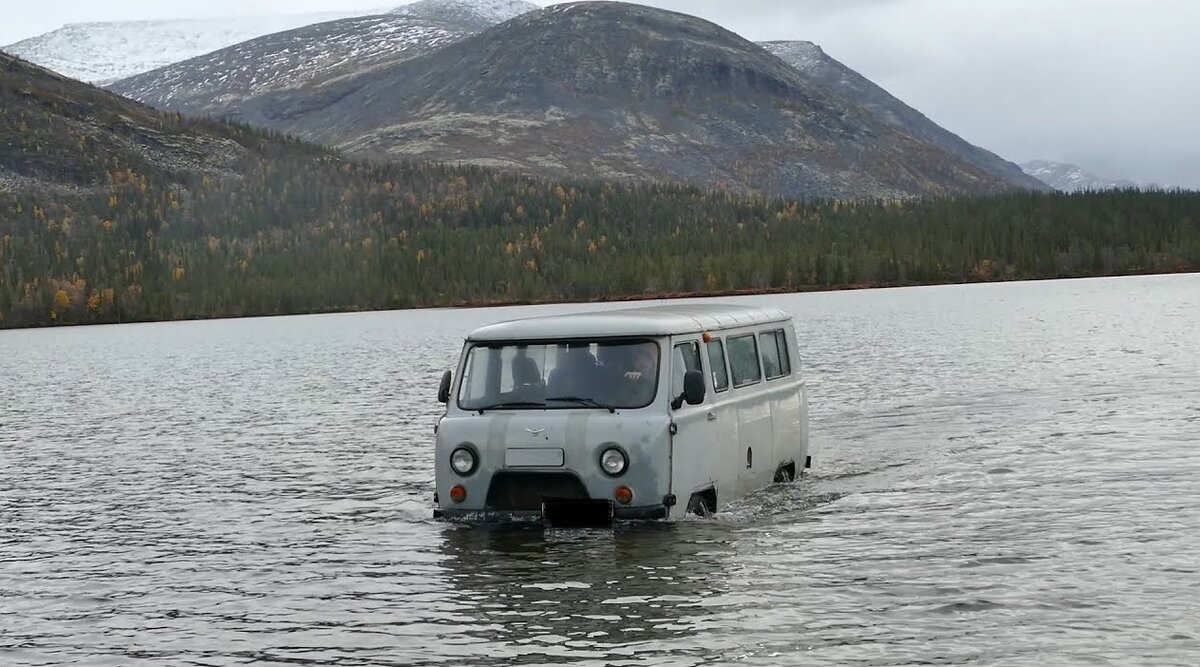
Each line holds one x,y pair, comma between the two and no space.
463,461
613,462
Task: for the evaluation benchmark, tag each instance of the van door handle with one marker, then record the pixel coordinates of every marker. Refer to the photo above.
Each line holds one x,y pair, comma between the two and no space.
712,416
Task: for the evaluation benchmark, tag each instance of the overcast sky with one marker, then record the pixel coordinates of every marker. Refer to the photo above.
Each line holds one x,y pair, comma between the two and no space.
1107,84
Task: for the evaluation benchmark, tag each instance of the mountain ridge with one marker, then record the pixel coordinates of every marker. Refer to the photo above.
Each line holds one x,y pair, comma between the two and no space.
616,90
475,14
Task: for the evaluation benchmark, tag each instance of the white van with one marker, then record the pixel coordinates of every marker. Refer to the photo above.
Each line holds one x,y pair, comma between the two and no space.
643,413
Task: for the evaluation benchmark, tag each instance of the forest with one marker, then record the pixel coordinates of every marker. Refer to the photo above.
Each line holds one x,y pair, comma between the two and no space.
113,212
302,235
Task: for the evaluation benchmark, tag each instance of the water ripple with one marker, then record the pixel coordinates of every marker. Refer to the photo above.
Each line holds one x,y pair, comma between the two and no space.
1004,474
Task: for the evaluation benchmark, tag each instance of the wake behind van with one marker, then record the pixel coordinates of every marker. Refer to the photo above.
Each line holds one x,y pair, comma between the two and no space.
643,413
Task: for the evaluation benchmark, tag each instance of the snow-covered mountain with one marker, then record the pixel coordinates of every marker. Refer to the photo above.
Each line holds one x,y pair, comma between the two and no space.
225,82
480,14
218,83
100,52
1071,178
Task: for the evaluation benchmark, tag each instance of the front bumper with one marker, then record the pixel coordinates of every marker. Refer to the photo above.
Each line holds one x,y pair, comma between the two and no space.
643,513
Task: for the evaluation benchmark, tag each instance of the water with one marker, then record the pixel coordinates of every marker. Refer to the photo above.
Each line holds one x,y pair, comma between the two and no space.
1004,474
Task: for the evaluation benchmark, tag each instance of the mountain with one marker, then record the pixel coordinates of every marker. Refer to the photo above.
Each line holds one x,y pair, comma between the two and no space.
219,83
817,66
104,52
614,90
1071,178
475,15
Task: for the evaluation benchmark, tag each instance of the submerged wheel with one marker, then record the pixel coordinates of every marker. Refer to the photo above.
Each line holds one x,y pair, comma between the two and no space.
701,504
785,474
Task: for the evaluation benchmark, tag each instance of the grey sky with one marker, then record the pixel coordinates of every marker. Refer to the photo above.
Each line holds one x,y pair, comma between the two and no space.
1107,84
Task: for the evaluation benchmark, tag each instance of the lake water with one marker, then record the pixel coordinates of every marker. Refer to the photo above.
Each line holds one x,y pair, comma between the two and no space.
1003,474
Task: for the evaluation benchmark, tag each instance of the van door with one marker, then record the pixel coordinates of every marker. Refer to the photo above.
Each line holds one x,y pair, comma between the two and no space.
755,449
724,410
693,464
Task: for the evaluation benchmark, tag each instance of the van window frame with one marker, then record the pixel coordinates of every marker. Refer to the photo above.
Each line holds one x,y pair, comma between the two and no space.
720,345
779,336
676,344
471,345
753,336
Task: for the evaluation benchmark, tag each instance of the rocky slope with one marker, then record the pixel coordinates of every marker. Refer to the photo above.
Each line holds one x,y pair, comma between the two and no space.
220,83
605,89
105,52
811,61
61,135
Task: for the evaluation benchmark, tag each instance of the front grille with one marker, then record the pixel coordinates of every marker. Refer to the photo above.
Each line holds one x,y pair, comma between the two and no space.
525,491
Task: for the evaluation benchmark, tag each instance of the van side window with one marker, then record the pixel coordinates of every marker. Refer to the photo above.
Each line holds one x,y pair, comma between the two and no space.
743,360
784,356
716,361
686,358
775,355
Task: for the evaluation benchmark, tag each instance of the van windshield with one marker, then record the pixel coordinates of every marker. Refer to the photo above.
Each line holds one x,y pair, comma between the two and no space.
558,375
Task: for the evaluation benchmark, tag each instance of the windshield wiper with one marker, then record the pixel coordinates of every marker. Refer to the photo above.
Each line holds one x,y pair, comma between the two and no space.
590,402
511,404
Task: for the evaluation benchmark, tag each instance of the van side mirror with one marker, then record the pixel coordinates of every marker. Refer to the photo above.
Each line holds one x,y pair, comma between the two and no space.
444,390
693,387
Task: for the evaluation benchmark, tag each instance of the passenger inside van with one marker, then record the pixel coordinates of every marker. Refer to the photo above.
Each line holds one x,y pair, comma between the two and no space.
575,374
526,373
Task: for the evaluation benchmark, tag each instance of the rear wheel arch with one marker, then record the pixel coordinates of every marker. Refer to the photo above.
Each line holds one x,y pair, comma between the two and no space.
703,503
786,472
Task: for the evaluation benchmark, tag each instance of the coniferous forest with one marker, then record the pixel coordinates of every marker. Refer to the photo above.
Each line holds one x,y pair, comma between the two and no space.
299,235
113,212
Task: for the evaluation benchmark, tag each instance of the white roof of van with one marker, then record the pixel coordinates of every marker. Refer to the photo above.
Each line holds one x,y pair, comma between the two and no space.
645,321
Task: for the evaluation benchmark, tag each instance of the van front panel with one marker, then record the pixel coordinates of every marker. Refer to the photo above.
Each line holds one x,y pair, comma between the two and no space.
524,454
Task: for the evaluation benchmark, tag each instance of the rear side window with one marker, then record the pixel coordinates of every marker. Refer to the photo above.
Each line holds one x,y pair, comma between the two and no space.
716,361
775,355
743,361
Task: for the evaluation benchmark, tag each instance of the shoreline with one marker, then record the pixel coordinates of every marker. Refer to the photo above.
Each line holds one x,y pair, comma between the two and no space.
765,291
626,298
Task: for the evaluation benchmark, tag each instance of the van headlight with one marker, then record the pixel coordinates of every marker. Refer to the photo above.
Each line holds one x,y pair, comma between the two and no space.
463,460
613,462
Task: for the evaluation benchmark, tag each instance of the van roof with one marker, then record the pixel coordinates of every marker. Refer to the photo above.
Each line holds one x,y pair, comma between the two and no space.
645,321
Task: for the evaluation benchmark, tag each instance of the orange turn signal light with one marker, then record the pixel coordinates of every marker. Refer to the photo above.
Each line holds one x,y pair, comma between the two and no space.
458,493
624,495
